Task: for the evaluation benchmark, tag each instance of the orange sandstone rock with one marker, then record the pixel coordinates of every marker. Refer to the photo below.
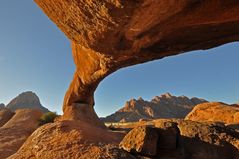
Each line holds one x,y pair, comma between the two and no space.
142,140
215,112
72,139
108,35
15,132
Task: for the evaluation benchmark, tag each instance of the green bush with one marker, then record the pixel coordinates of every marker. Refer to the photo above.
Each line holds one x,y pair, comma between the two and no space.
48,118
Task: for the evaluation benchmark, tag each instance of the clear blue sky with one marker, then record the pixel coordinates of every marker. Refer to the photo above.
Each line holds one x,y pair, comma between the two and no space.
35,55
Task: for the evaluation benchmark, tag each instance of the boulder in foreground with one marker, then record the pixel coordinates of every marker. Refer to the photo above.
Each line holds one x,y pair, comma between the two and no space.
72,139
142,140
76,139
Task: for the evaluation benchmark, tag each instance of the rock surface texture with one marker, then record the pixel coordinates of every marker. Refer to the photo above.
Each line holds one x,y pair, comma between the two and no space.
215,112
72,139
26,100
191,140
164,106
166,138
15,132
5,115
107,35
142,140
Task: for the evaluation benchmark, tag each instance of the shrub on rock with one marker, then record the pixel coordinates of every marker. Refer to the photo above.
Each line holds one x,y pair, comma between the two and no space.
48,118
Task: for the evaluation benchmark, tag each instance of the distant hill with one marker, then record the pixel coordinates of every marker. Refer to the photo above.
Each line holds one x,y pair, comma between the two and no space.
164,106
26,100
2,106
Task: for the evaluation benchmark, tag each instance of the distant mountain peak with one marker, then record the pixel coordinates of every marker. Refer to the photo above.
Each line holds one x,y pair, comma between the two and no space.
27,99
163,106
166,95
30,96
162,96
140,99
2,106
28,93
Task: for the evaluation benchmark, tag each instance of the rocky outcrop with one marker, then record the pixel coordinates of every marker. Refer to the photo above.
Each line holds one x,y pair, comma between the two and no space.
215,112
15,132
5,116
164,106
108,35
142,140
72,139
26,100
184,140
163,138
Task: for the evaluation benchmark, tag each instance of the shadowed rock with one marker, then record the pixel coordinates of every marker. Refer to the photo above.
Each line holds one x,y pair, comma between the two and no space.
191,140
168,136
108,35
5,115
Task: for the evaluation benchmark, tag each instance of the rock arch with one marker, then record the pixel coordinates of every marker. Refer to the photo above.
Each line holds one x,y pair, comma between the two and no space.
107,35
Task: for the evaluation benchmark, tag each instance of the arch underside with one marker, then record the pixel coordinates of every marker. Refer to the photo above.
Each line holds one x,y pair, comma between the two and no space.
108,35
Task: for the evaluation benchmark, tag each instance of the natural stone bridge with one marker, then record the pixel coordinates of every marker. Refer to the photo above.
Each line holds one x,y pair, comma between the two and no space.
107,35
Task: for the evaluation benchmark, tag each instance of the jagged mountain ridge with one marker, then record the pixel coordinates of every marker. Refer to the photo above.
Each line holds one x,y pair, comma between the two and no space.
163,106
26,100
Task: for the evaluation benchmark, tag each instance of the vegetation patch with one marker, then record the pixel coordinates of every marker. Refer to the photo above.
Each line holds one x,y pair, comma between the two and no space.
48,117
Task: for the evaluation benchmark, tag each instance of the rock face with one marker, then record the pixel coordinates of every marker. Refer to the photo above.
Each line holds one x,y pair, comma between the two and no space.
15,132
187,140
142,140
215,112
77,111
168,136
5,115
26,100
208,140
164,106
108,35
177,139
72,139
